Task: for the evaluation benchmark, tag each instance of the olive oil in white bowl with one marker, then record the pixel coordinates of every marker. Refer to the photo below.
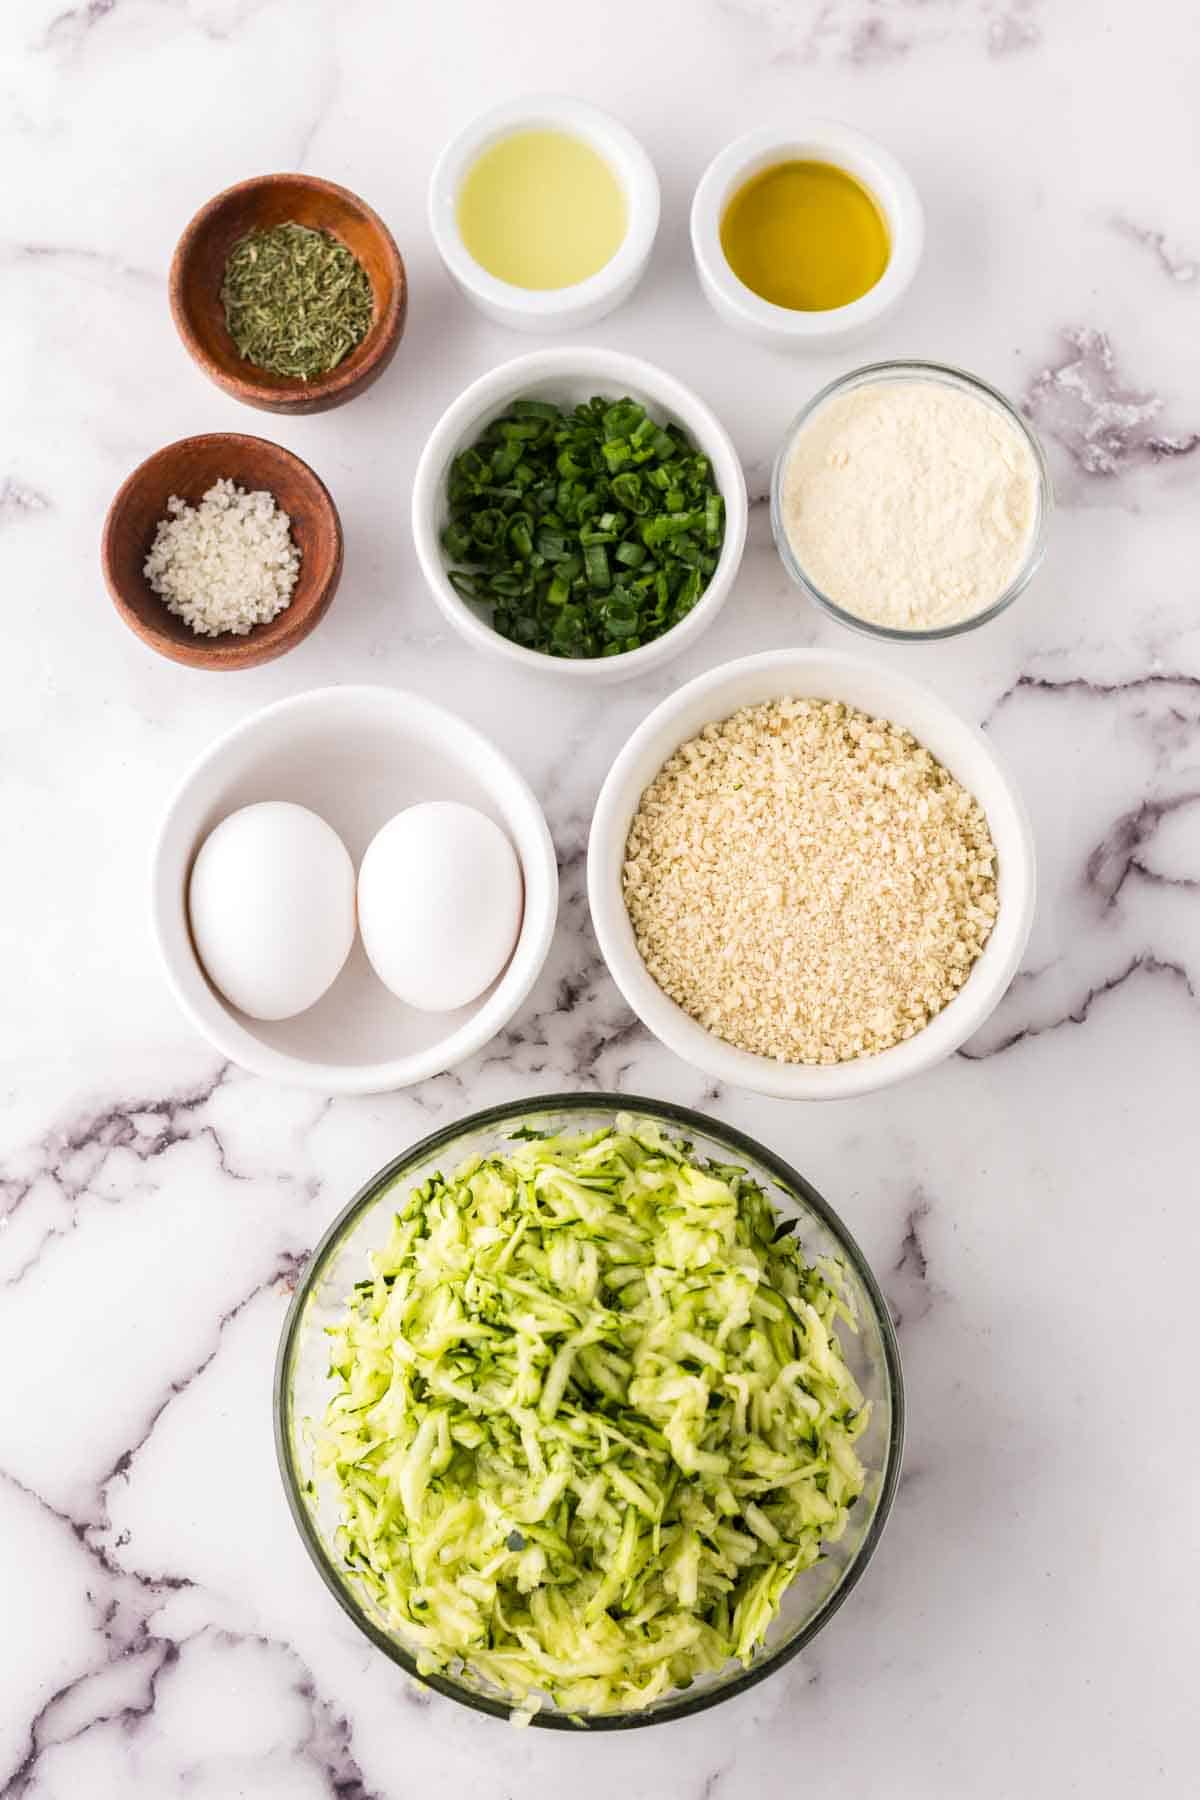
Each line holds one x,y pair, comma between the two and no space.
541,209
544,212
764,287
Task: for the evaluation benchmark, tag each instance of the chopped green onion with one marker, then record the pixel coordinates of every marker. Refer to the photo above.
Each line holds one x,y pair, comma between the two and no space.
586,533
595,563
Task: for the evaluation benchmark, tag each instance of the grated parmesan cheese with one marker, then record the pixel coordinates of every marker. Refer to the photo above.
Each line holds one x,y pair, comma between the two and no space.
225,565
910,504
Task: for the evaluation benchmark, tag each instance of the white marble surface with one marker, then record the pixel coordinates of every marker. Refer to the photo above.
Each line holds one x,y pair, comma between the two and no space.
1030,1625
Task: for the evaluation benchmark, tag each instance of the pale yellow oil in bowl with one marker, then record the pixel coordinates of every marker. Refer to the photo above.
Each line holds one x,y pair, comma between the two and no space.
541,209
805,235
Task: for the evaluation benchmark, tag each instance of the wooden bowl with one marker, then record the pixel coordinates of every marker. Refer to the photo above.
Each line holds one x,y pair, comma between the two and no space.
198,267
189,468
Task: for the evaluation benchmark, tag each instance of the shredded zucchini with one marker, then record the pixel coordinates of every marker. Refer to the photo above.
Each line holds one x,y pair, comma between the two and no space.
592,1417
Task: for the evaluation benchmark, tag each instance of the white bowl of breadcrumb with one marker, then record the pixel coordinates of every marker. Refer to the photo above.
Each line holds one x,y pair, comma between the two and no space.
809,876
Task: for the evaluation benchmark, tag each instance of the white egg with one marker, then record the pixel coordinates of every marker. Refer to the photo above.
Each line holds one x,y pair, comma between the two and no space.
271,902
439,904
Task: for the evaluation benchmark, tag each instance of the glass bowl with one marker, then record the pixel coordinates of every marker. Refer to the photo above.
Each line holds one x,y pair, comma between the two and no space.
302,1387
909,370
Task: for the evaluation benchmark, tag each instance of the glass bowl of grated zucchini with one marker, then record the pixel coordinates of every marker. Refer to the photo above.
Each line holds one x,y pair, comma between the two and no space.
589,1411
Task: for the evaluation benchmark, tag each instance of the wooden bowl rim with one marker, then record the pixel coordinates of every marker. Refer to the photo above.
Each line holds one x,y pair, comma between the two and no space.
357,371
278,635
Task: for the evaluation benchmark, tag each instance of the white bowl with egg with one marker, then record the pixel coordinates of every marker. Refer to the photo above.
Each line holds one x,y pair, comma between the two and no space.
356,757
808,140
582,302
879,692
565,377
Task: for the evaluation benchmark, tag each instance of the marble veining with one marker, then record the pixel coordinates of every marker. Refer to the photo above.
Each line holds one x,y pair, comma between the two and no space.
1174,262
1029,1626
871,33
17,501
912,1264
1106,427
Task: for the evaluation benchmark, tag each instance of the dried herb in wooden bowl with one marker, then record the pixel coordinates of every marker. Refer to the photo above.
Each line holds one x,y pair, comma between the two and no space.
297,301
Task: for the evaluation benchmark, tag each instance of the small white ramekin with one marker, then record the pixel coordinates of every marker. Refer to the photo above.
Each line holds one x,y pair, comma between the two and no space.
881,692
548,309
356,756
566,377
813,140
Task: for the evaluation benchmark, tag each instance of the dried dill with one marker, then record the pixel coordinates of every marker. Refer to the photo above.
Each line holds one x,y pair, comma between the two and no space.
297,302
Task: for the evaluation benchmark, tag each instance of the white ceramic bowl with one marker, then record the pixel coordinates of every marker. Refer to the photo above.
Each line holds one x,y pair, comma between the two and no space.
826,675
553,309
813,140
565,377
356,756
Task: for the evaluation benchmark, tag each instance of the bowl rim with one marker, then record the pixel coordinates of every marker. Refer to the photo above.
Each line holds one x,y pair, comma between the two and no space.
785,1176
621,151
488,393
366,360
540,875
914,368
278,635
826,140
667,1021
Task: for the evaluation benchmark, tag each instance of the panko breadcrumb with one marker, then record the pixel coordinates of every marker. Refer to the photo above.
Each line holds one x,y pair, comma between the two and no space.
809,883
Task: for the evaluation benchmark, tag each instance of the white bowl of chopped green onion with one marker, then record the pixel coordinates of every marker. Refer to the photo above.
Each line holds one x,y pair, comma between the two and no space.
580,511
589,1411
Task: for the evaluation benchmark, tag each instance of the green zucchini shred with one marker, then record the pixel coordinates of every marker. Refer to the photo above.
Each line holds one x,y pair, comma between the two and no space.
592,1418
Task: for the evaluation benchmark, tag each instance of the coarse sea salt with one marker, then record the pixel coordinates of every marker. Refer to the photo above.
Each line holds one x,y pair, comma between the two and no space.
226,565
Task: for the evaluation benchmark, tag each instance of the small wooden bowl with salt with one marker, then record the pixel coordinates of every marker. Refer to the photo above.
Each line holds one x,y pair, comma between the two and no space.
187,470
261,205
